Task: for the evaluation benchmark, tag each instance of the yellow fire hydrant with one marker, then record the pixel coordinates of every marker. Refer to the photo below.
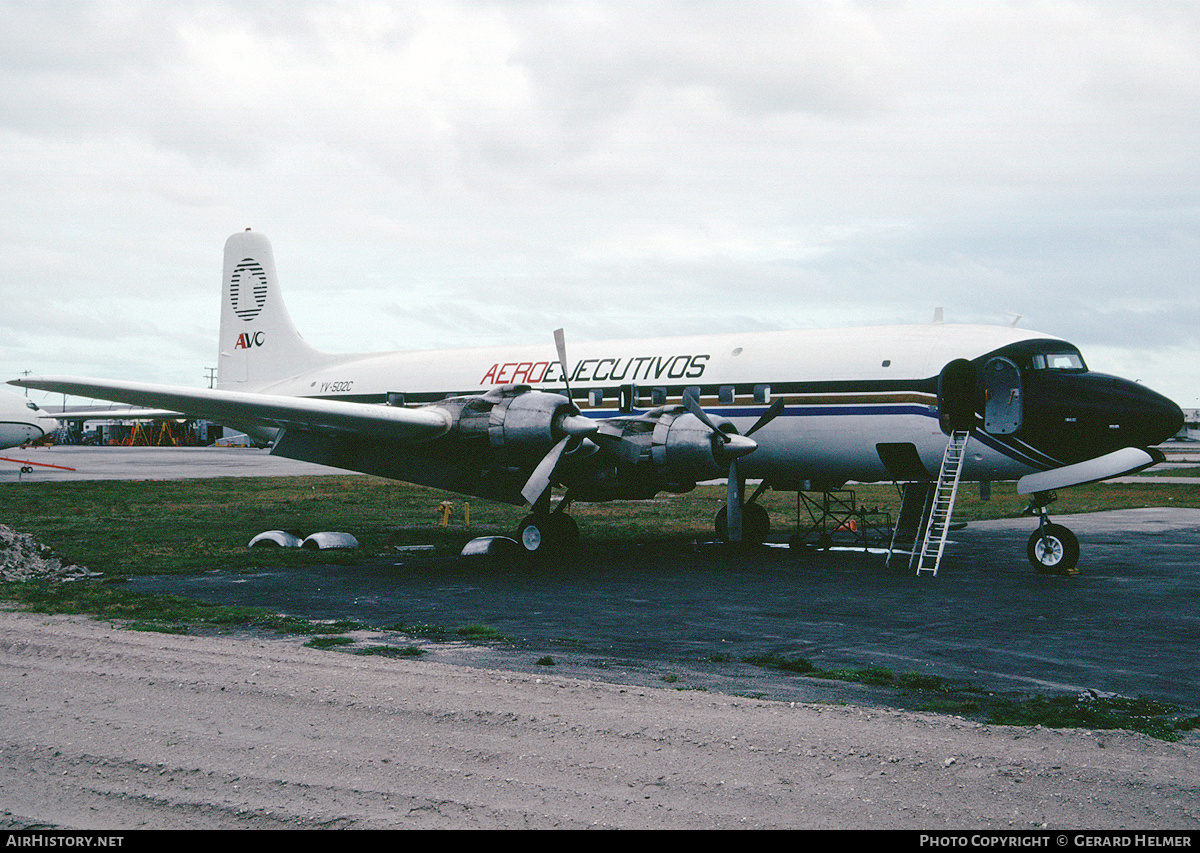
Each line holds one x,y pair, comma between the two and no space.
445,509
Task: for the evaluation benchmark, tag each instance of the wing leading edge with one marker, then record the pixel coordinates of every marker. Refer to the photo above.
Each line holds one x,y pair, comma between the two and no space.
260,410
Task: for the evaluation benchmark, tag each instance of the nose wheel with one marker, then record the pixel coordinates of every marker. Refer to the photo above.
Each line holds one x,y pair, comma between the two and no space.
1052,548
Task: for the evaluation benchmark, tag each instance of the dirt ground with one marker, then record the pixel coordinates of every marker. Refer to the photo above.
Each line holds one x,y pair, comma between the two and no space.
113,729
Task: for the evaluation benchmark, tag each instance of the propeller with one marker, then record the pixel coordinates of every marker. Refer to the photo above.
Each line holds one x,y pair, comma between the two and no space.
732,444
734,447
735,487
575,426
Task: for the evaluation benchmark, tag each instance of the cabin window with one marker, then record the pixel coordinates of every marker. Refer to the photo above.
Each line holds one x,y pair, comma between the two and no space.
762,393
596,397
1058,361
658,396
725,394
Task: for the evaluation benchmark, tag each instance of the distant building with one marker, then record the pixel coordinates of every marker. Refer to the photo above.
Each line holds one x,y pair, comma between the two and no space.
1191,426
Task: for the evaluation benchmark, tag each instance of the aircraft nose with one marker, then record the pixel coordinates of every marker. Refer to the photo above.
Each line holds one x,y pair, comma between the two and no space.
1165,419
1152,417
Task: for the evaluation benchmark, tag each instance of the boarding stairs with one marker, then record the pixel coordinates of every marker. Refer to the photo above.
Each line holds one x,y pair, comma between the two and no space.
930,524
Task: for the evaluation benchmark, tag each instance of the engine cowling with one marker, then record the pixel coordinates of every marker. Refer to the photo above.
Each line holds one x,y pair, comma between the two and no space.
521,425
687,451
673,447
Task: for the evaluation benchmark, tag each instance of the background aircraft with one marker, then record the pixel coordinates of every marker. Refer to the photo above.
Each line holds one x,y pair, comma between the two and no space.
811,410
22,422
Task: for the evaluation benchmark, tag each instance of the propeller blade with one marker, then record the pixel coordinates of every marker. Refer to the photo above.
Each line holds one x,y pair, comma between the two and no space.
539,480
733,504
702,416
769,415
560,343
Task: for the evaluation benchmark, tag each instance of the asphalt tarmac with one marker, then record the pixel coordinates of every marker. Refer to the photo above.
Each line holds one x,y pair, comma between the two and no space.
690,616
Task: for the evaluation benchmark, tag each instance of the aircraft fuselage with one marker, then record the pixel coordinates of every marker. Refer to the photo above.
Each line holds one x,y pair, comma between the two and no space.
847,393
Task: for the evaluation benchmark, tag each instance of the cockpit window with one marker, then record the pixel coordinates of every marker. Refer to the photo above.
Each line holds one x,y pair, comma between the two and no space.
1058,361
32,405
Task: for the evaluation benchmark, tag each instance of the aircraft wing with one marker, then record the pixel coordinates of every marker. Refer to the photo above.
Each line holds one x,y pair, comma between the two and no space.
264,410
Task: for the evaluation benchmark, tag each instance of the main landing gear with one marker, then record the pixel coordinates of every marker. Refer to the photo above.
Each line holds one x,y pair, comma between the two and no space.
1052,549
545,531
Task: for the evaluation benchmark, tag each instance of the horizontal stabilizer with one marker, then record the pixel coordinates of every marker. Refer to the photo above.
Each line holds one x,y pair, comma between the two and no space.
263,410
1127,460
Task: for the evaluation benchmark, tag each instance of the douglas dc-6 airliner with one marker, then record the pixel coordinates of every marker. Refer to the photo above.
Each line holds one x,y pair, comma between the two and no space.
627,419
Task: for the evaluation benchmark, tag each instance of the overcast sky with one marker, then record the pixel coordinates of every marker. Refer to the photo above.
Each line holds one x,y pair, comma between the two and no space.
442,174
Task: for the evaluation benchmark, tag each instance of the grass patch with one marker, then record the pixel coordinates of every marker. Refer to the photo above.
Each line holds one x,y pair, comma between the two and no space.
166,527
1157,719
108,601
772,660
174,614
1160,720
327,642
169,527
1170,472
479,633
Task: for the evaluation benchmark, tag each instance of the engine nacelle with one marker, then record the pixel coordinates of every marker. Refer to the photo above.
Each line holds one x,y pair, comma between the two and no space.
672,447
520,424
526,424
686,450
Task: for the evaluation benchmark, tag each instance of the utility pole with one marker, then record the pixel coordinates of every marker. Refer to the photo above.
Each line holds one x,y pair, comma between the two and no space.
211,375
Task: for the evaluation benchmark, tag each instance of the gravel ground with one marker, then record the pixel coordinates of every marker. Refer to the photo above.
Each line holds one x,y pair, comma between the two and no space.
112,729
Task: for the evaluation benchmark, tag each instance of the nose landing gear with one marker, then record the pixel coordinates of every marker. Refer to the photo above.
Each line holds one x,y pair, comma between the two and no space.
1052,548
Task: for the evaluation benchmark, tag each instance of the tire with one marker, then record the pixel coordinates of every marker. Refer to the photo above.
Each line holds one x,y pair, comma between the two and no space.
756,525
565,530
547,534
1053,550
532,534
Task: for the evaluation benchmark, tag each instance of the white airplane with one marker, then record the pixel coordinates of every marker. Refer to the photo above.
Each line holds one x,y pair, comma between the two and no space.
628,419
21,421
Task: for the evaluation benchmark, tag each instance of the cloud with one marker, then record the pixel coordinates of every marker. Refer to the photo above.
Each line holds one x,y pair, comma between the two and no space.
455,173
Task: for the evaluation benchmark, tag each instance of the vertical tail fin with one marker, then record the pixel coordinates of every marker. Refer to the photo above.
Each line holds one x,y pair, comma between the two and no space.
259,344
